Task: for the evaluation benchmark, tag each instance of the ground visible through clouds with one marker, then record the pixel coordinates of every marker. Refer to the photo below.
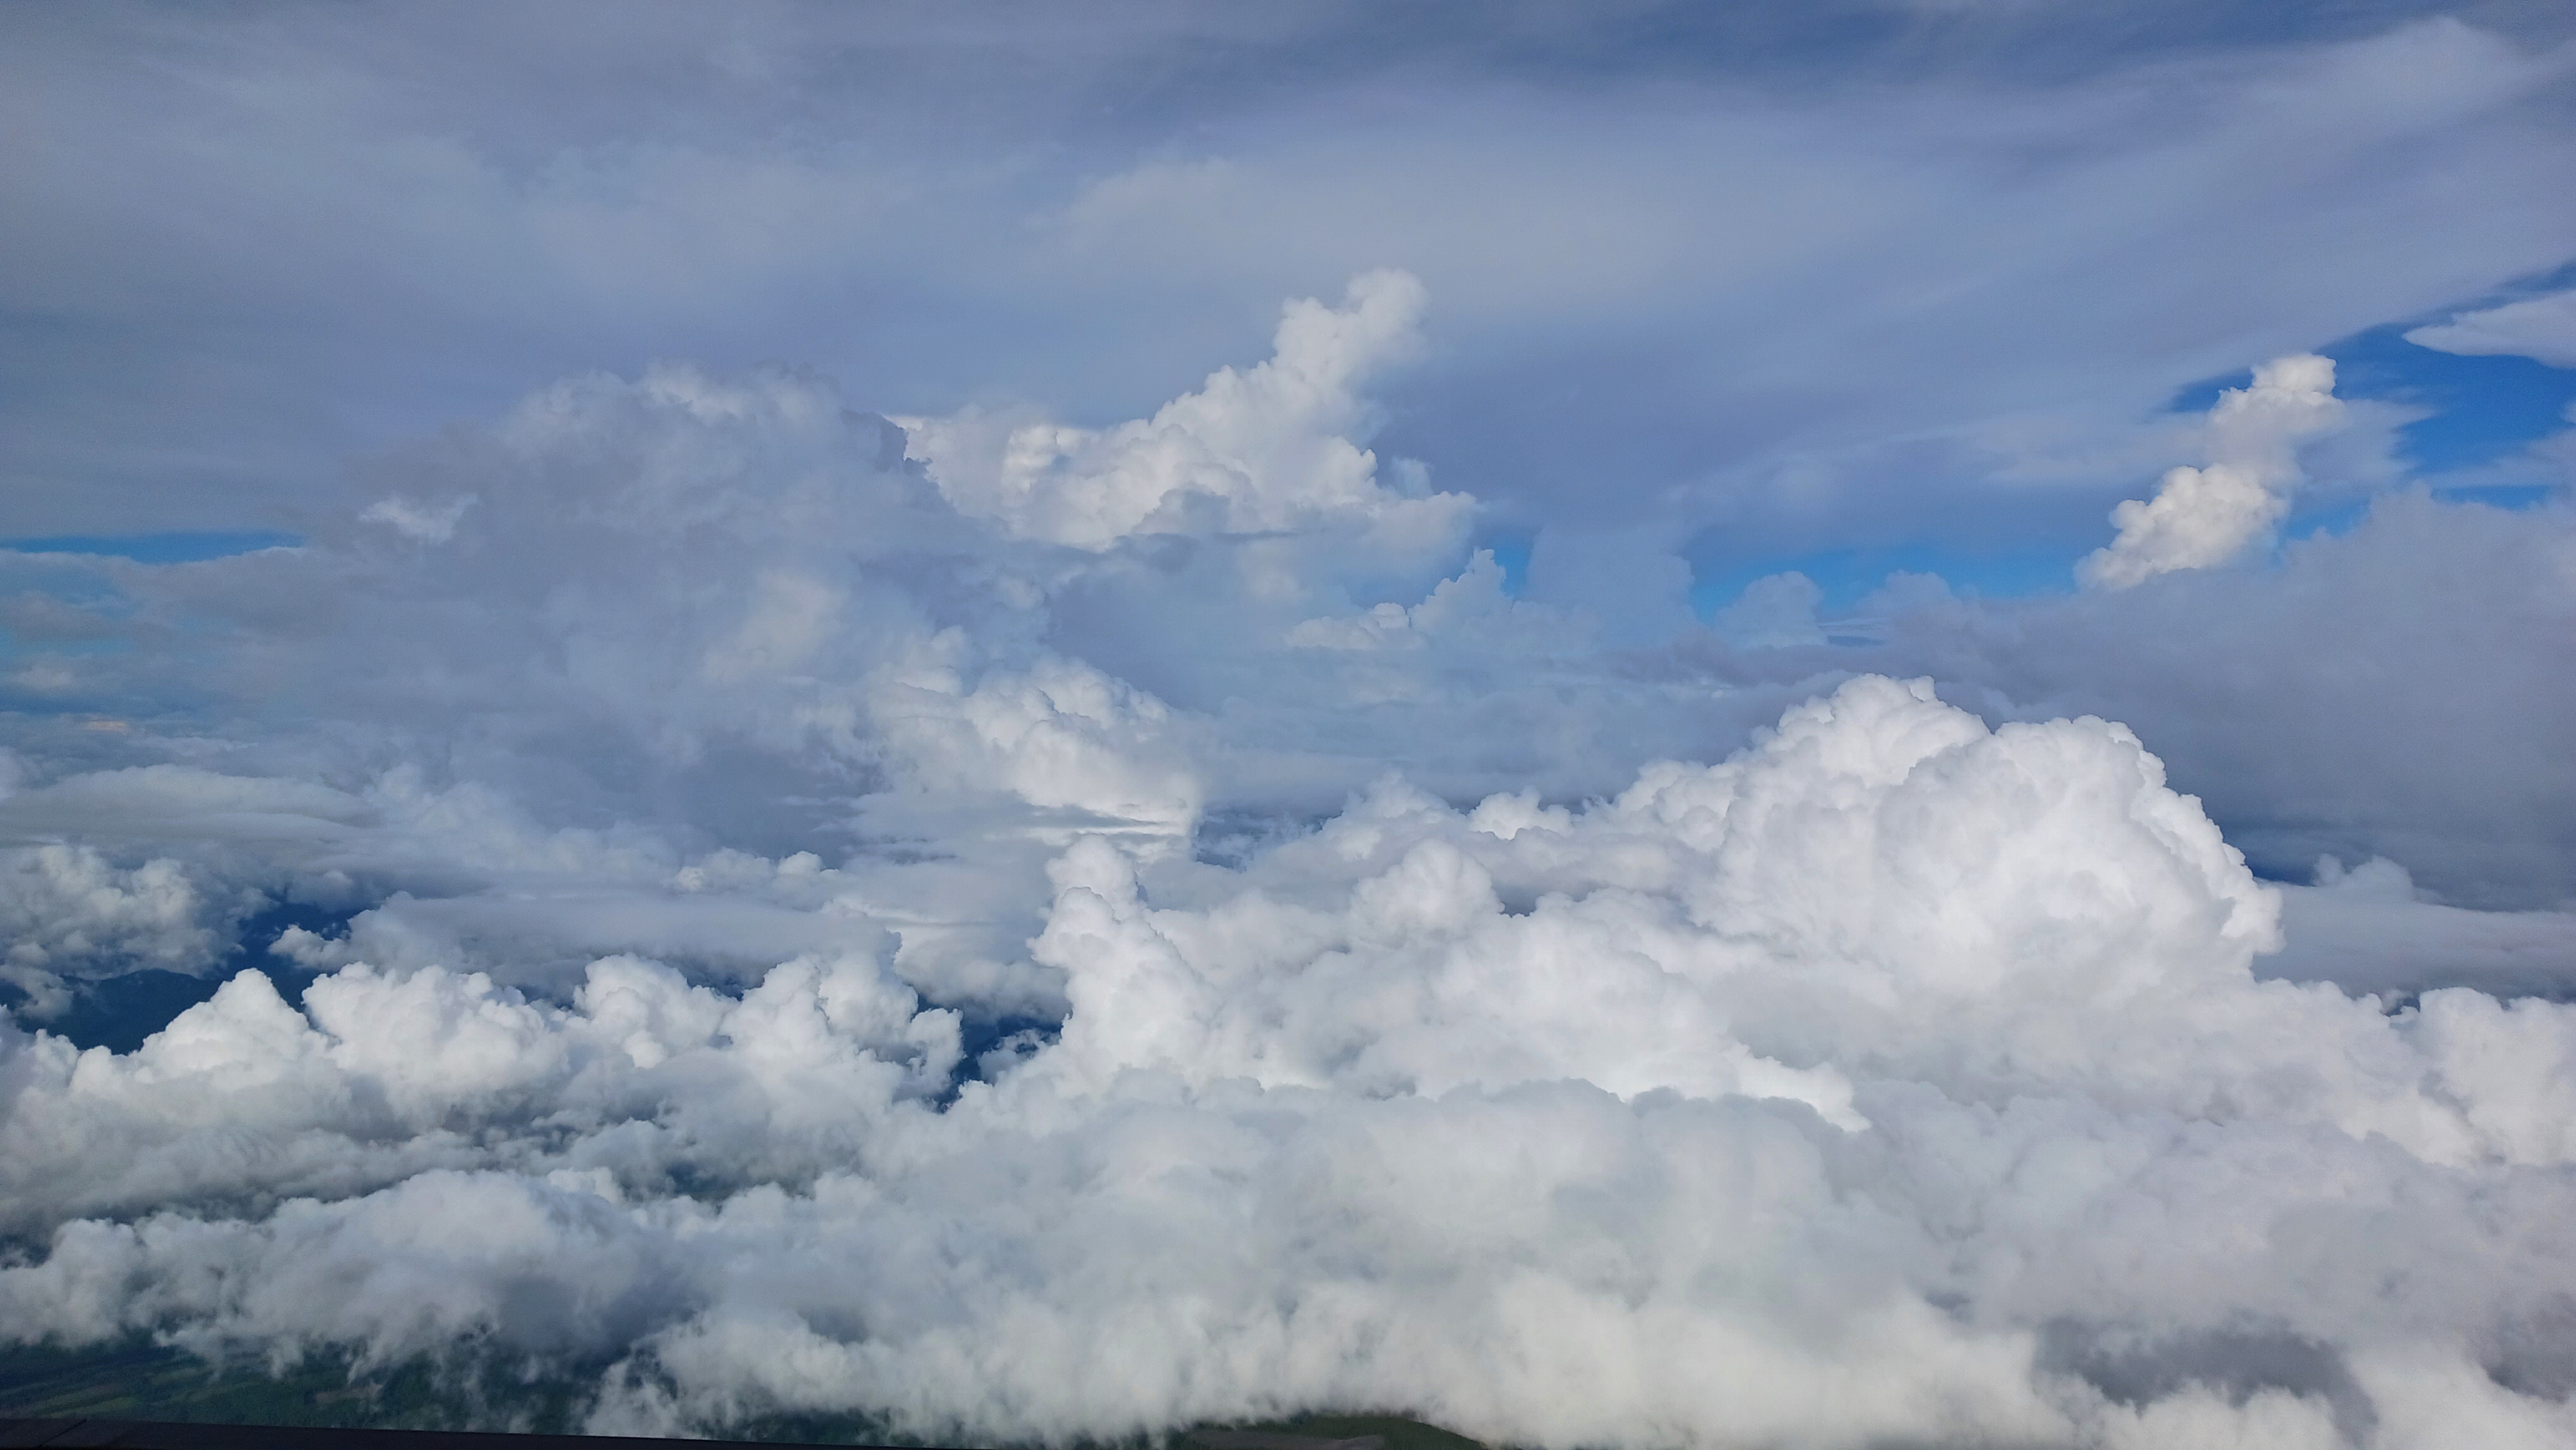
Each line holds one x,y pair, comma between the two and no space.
1939,898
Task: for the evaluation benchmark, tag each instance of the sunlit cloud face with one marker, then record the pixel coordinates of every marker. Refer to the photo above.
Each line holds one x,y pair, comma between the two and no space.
1633,733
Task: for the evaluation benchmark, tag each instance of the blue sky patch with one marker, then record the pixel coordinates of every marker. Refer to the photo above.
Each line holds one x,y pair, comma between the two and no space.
2483,408
1512,555
183,548
1847,575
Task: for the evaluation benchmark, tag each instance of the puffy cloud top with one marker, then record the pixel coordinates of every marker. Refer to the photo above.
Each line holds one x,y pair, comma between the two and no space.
1895,1072
1027,932
1263,450
2205,516
964,894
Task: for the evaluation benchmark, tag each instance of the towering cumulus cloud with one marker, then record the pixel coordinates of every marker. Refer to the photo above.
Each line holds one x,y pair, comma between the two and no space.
1022,933
2205,516
1268,449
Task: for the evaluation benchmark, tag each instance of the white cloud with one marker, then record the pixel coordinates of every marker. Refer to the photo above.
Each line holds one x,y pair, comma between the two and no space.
2209,515
1264,450
1467,610
1063,737
68,912
418,521
1611,308
1894,1076
2298,699
2543,328
689,756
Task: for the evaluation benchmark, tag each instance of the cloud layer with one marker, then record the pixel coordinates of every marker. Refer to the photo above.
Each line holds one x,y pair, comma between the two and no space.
1035,930
1895,1077
1724,259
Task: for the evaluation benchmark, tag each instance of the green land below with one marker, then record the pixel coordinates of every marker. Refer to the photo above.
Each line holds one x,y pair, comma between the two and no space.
144,1381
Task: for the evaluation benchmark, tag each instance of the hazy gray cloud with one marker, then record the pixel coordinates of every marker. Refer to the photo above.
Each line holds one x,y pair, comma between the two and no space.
246,247
2387,691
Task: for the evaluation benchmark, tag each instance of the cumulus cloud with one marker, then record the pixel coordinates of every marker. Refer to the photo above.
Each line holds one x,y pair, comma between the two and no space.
1574,188
692,618
1264,450
825,923
2209,515
1775,610
68,913
2542,328
2302,701
1895,1076
1025,895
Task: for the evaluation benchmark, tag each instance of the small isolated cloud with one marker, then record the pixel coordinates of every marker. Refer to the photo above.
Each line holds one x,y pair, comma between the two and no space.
46,677
2209,515
2541,328
1772,613
428,524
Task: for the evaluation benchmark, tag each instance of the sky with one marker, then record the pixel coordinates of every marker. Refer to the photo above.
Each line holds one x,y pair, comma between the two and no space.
1632,725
